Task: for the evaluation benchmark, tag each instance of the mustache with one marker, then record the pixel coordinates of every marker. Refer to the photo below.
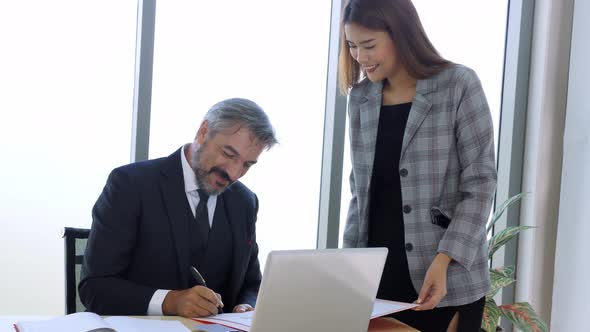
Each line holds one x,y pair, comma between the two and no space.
221,173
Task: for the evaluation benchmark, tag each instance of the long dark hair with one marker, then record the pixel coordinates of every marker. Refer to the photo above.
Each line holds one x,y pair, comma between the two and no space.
400,20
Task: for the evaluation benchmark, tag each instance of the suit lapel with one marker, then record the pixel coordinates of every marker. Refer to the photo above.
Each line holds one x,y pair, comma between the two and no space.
369,115
175,203
370,108
420,109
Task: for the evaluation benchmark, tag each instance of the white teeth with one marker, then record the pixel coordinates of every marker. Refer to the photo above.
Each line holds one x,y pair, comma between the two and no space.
370,67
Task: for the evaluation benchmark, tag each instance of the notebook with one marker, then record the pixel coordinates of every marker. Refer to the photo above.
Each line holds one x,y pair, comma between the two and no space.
315,290
88,321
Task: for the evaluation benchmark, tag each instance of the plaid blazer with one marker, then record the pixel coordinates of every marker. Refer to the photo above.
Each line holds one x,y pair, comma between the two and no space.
447,171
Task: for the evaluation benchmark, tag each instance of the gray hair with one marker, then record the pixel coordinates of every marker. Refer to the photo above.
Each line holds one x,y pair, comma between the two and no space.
239,111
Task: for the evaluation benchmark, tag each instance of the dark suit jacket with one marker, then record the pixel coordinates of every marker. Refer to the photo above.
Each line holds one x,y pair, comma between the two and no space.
139,241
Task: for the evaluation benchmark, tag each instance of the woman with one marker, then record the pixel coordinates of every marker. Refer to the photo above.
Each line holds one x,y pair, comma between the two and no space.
423,169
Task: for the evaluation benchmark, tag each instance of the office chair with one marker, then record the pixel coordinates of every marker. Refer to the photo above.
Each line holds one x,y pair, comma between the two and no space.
75,244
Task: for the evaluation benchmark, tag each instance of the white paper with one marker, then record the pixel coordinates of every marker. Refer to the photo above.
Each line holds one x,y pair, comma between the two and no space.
130,324
87,321
80,321
239,321
385,307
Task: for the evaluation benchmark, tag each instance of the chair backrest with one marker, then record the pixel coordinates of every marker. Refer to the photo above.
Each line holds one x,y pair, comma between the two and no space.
75,244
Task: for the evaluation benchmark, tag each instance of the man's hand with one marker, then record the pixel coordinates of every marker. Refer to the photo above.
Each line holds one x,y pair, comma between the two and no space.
243,308
435,283
198,301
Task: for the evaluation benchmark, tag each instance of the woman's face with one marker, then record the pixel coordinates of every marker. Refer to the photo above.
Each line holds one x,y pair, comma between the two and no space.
373,50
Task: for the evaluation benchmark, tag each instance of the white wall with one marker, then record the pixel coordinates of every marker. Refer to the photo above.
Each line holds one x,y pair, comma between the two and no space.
572,268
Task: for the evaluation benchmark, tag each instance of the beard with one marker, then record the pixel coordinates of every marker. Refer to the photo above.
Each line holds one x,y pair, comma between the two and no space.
202,173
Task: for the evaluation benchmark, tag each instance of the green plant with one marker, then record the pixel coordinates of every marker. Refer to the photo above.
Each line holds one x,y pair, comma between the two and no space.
522,315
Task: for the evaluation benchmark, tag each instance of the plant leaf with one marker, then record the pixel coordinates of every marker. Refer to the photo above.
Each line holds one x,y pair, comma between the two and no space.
500,210
501,277
524,317
491,316
501,238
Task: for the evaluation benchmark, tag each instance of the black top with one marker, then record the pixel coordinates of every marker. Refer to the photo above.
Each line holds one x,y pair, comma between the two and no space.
386,223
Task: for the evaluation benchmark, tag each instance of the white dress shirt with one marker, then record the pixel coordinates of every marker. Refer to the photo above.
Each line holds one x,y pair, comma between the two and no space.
190,188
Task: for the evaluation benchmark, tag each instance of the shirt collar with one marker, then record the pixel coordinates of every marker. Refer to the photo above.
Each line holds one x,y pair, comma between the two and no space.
190,179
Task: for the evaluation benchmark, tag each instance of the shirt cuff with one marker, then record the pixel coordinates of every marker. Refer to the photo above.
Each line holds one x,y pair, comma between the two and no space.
155,306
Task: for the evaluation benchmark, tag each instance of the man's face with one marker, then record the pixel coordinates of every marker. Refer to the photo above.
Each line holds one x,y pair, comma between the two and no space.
222,159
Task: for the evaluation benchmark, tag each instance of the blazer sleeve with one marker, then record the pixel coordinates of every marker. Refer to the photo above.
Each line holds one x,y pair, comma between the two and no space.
108,253
477,181
351,230
249,291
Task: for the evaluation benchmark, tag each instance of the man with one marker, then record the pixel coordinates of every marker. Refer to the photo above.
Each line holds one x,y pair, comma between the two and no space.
157,219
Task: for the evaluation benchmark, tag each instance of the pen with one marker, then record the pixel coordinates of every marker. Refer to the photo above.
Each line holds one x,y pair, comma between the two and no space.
201,281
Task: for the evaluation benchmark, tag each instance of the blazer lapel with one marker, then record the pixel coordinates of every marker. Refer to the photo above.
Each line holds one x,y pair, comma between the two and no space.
369,107
369,115
175,203
420,109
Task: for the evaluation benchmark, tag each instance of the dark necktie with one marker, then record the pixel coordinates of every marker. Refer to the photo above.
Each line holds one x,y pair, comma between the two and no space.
202,215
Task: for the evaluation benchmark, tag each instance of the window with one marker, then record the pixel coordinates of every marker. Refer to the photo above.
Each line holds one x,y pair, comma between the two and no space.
206,52
66,96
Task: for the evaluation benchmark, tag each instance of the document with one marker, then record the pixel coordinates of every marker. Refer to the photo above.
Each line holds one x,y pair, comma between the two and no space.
91,322
243,321
238,321
385,307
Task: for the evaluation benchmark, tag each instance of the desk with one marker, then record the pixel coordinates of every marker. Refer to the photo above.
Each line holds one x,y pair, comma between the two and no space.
377,325
381,324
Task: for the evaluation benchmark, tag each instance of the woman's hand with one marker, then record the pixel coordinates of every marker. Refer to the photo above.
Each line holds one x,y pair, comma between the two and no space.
435,283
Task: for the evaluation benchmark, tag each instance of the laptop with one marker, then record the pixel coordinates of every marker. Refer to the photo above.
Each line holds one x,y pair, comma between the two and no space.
318,290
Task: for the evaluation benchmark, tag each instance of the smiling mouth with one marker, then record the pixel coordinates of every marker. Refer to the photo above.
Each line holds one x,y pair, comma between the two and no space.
221,183
370,68
220,178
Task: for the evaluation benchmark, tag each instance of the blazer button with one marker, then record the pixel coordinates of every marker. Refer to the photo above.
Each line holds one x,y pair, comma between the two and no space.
407,209
403,172
409,247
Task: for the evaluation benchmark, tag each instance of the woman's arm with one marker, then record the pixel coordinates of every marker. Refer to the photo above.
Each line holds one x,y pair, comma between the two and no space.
477,179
